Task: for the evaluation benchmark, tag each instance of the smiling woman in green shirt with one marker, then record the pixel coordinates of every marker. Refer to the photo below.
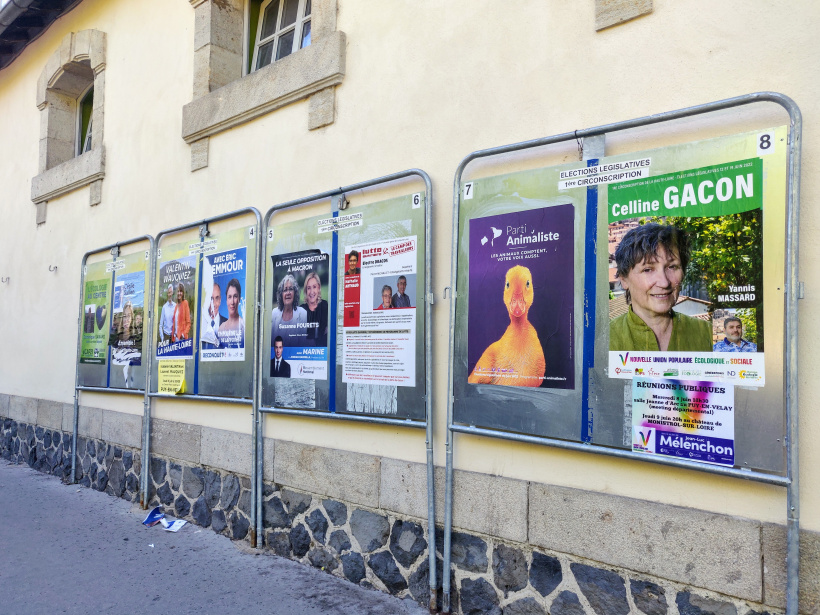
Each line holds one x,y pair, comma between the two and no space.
651,261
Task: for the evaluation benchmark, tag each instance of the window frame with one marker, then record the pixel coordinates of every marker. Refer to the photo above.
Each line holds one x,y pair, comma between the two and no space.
73,68
226,93
273,39
84,138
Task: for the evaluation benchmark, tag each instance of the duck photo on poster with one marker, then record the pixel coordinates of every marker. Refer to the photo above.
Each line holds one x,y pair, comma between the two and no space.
521,296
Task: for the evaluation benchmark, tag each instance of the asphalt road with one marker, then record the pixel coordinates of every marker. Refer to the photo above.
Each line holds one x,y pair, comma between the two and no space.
69,549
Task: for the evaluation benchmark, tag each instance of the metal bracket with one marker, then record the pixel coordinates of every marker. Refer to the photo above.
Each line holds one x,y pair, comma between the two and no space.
430,299
593,147
801,290
52,267
203,230
5,280
339,202
115,251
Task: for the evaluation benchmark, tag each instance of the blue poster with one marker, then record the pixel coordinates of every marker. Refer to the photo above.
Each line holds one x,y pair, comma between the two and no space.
222,328
126,326
299,319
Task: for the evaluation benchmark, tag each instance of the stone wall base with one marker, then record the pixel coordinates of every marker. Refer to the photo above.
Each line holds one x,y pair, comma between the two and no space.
368,546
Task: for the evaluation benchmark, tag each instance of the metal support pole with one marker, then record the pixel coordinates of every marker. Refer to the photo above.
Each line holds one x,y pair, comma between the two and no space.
258,441
114,249
146,401
790,481
428,302
203,227
428,395
448,468
792,408
258,467
76,418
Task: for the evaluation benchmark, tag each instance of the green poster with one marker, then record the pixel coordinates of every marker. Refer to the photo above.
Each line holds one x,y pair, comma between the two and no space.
94,322
715,190
694,244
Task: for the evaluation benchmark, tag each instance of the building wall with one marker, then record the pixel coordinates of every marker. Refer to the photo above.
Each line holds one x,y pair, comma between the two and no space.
425,84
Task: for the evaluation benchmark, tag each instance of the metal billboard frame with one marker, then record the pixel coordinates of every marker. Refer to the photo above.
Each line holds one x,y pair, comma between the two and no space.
337,198
254,401
114,249
792,294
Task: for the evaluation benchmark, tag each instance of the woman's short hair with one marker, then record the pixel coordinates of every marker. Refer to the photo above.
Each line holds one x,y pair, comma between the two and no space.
387,288
280,302
643,242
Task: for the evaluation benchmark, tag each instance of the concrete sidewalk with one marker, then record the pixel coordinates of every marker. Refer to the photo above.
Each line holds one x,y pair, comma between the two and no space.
69,549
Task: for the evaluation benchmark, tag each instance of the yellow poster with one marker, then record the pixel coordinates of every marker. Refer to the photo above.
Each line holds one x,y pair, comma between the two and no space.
172,377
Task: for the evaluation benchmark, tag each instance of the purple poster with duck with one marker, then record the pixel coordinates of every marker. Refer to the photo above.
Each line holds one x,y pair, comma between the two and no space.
521,296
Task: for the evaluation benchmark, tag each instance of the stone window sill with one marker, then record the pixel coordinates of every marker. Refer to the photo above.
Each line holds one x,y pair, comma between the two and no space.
70,175
306,72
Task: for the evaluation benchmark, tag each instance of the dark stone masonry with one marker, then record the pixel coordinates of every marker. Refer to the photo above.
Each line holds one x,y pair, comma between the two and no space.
605,590
649,597
373,548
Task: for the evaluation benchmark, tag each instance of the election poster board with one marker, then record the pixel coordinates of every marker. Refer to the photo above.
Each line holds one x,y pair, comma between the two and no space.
342,335
112,344
126,337
177,269
717,209
380,338
204,315
519,308
227,261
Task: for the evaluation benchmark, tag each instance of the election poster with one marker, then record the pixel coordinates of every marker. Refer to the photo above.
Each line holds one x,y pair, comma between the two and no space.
521,296
96,299
222,324
688,419
379,312
176,300
688,264
521,307
380,301
128,315
300,316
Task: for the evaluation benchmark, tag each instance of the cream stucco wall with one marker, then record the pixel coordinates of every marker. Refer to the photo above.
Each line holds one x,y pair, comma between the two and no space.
426,83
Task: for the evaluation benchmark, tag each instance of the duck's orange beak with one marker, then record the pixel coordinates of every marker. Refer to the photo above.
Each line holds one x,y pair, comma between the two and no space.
518,307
